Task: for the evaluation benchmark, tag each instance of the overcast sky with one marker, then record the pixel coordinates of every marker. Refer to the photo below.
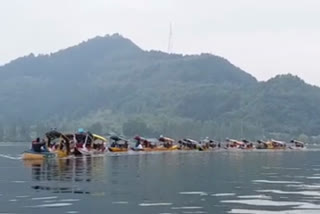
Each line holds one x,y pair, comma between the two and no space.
263,37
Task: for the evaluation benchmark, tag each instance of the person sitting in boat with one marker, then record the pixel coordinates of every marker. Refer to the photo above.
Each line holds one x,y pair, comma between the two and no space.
115,142
38,146
61,146
126,145
138,141
88,139
146,143
212,144
139,145
80,137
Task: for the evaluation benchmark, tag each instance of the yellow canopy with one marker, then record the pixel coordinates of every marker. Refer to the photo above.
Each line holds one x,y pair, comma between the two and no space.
98,137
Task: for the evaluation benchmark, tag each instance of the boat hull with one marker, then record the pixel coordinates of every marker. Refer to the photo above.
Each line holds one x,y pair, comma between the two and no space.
117,149
187,149
85,151
157,149
59,153
271,148
296,148
30,155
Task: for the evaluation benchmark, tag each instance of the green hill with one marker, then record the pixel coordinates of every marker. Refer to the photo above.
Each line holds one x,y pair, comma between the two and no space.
108,84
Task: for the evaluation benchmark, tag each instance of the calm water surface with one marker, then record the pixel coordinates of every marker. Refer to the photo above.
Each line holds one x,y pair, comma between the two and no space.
173,182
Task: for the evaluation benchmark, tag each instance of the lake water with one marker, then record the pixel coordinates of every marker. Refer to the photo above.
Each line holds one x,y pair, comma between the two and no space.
285,182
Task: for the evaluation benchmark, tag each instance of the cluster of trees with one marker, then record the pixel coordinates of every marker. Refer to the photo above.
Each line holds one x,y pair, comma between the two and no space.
19,132
109,85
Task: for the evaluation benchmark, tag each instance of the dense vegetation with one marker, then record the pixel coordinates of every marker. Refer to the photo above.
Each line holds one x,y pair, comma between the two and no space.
109,85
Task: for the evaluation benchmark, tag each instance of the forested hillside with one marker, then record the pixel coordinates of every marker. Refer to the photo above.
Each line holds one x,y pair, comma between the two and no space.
110,85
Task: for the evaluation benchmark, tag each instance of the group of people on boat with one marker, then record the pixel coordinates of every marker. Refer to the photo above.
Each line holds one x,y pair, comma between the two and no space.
119,142
84,142
298,144
76,143
239,144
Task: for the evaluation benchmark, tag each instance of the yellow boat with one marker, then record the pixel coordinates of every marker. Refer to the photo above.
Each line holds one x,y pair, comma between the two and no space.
118,149
272,145
62,150
30,155
118,144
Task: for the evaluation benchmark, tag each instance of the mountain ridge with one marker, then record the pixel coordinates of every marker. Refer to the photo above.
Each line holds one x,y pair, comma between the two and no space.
119,37
117,83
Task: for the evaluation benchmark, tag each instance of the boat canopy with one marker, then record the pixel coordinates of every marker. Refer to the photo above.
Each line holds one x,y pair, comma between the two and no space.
297,142
118,140
52,135
64,140
144,140
278,142
191,141
138,138
245,141
115,138
261,141
236,142
98,137
166,140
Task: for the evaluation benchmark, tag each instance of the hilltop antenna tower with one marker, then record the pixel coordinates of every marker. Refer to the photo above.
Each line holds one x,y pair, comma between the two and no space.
170,39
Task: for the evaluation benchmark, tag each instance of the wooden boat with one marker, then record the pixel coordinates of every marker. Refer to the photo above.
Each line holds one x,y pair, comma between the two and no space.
58,143
86,143
47,150
236,144
118,144
208,144
146,145
214,144
166,141
297,145
272,145
189,144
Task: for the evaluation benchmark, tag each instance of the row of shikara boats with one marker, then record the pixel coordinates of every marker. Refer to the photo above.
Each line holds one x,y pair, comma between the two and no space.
60,145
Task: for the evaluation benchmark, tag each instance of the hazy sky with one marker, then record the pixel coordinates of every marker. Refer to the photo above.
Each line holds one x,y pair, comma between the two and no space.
263,37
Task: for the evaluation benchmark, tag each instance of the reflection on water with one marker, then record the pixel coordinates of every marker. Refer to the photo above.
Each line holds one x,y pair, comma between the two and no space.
58,175
60,189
